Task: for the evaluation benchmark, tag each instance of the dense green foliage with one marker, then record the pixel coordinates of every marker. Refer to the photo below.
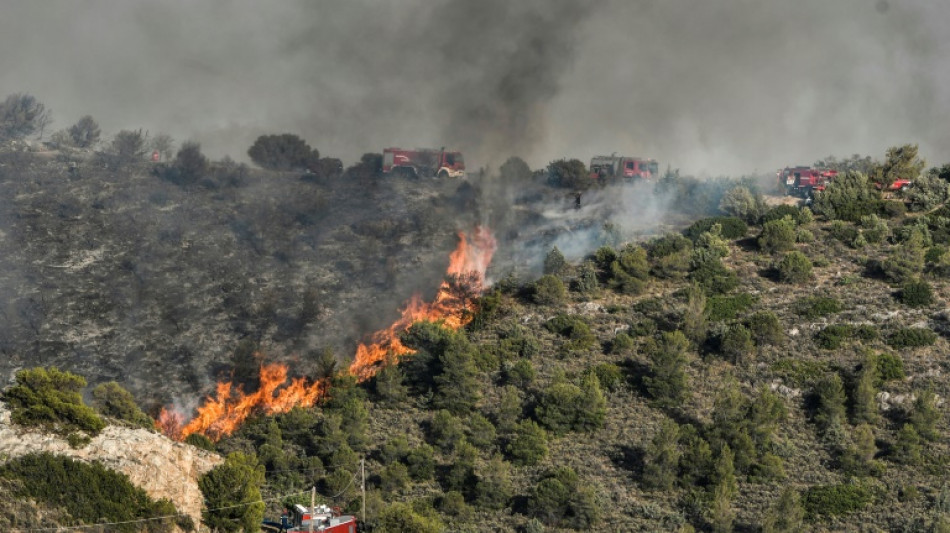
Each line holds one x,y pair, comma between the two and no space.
89,492
282,152
113,401
835,499
52,398
232,493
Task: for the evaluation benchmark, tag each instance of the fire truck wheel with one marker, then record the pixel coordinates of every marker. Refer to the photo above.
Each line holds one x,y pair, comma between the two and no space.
443,174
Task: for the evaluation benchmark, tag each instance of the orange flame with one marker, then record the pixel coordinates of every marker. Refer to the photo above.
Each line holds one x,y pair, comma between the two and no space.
224,412
467,266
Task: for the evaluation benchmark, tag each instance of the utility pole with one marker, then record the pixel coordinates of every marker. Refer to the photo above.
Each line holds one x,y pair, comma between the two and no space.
313,505
363,488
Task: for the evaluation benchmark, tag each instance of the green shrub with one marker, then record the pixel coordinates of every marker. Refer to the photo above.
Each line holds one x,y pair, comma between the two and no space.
393,478
916,293
732,227
781,211
608,374
51,398
911,338
893,208
528,446
795,267
714,277
778,235
832,500
88,492
575,329
728,307
874,229
622,343
831,337
798,372
736,343
804,236
814,307
849,197
561,499
549,290
521,373
889,367
421,462
404,517
765,328
667,383
111,400
629,272
554,262
844,232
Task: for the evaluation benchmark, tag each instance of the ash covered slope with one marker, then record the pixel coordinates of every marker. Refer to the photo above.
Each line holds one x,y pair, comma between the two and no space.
123,276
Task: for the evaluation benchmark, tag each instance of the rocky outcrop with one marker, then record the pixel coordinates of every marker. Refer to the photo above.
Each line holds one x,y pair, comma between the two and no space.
160,466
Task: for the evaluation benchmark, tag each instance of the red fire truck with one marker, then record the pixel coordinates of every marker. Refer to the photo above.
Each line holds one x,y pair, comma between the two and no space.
423,162
611,166
324,519
802,180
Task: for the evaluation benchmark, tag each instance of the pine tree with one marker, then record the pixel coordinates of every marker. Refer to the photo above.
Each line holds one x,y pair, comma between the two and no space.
863,401
592,411
924,415
786,515
554,262
668,382
457,387
662,456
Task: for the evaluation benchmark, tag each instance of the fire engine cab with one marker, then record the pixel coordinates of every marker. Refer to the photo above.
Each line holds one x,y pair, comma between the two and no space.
608,166
322,518
423,162
802,180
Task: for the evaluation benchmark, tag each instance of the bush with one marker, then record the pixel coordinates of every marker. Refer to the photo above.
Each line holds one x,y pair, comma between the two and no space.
916,293
549,290
561,499
528,446
728,307
111,400
714,277
84,133
813,307
283,152
568,174
765,328
732,227
893,208
778,235
742,203
51,398
404,517
889,367
736,343
849,197
797,214
831,500
831,337
911,338
554,262
795,267
88,492
608,374
667,383
574,329
22,115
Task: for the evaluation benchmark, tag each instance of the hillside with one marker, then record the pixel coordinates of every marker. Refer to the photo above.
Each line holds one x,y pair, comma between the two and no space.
779,369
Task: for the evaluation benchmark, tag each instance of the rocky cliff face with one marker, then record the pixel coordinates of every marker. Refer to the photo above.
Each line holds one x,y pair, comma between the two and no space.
160,466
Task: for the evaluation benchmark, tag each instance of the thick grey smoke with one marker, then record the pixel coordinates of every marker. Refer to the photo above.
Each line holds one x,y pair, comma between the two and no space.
709,87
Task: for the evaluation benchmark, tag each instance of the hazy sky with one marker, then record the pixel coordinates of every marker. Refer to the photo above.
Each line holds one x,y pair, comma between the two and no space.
713,87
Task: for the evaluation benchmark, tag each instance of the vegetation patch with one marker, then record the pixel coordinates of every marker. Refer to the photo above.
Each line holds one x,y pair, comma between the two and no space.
814,307
728,307
799,372
731,227
833,336
832,500
89,492
911,338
